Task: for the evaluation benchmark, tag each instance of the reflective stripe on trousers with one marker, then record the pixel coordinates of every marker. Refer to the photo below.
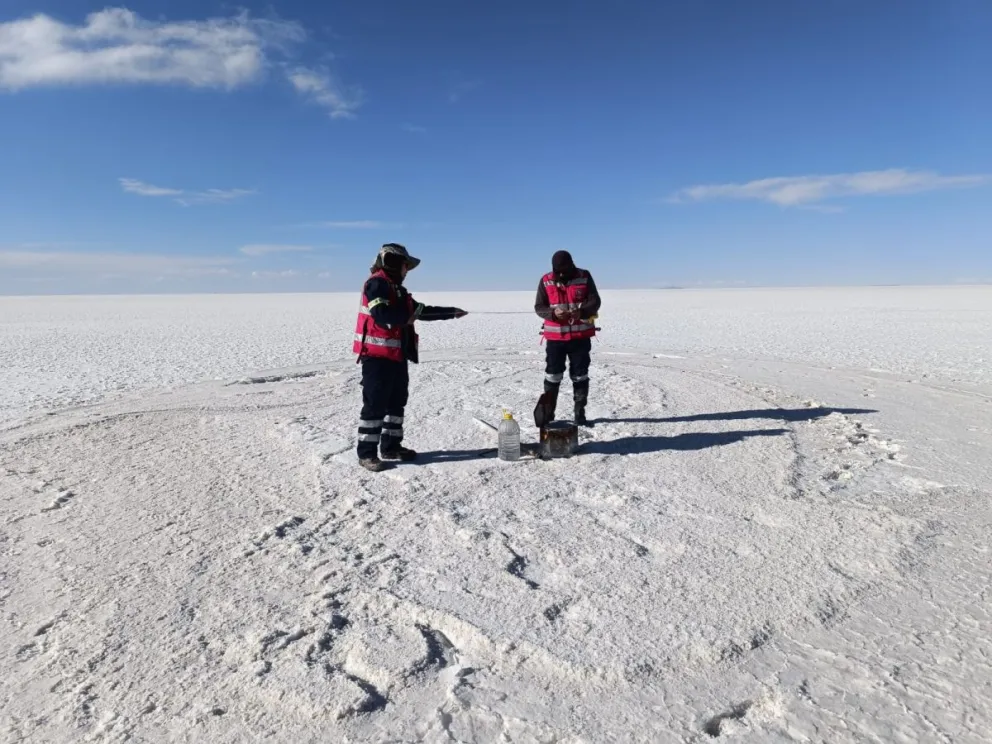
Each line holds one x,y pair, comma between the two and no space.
393,427
369,431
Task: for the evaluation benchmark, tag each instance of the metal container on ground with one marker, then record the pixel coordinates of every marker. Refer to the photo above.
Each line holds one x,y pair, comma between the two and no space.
559,439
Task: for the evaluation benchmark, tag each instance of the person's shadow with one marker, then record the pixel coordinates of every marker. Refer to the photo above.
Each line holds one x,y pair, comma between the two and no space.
621,446
679,442
775,414
438,456
528,451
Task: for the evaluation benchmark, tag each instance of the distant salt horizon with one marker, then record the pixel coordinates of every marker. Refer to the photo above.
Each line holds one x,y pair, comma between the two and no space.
68,349
716,286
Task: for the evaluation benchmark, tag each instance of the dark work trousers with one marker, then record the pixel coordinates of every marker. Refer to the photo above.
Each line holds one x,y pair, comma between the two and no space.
576,352
385,387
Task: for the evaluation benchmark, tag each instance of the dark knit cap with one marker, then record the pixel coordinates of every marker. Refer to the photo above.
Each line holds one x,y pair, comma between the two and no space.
561,263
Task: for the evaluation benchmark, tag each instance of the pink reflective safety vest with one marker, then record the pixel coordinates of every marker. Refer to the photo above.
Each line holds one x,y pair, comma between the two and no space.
568,296
374,340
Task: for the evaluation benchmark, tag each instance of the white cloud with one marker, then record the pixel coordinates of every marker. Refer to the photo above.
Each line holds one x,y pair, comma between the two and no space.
266,249
186,198
413,128
793,191
130,264
324,90
116,45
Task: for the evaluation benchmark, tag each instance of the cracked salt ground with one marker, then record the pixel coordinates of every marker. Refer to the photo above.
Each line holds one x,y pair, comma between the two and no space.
586,522
742,555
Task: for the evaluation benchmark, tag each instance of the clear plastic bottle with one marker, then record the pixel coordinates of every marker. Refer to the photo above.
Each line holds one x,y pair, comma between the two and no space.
509,438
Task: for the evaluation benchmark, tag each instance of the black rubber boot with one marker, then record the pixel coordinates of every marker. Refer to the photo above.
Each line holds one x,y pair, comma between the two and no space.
401,454
581,392
552,390
580,415
373,464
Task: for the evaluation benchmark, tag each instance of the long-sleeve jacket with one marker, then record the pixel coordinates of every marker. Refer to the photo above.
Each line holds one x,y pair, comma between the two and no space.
389,308
590,306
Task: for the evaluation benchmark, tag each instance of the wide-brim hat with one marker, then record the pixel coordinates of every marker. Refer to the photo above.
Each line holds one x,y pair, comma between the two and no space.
398,250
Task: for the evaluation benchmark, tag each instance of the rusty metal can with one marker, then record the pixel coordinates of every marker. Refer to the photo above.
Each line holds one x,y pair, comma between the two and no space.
559,439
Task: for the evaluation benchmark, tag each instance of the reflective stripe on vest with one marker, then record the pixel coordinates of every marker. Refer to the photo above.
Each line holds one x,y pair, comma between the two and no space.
577,281
392,343
567,329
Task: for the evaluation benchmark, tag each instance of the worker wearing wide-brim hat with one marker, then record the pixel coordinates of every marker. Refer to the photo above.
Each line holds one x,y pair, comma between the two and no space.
568,302
385,341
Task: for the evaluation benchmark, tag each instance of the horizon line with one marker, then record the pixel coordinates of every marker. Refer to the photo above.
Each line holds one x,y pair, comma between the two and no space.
665,288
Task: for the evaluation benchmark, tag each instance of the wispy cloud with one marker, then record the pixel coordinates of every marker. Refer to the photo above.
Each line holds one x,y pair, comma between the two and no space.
213,196
347,224
117,46
792,191
323,89
267,249
413,128
134,186
973,280
47,245
822,208
181,196
131,264
460,89
287,274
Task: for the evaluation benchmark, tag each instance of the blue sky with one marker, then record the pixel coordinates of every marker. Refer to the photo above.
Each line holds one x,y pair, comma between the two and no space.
201,146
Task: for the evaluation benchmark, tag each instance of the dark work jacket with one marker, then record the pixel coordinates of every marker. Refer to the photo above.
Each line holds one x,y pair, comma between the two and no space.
394,313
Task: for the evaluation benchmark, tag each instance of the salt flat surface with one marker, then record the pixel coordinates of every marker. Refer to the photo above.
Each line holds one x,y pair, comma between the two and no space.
777,529
62,350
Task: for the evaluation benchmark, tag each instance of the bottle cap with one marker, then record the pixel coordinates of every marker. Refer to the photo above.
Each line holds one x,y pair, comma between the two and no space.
507,414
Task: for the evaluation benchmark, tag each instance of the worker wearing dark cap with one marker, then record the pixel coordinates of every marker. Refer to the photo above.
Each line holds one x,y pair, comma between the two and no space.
568,302
385,340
